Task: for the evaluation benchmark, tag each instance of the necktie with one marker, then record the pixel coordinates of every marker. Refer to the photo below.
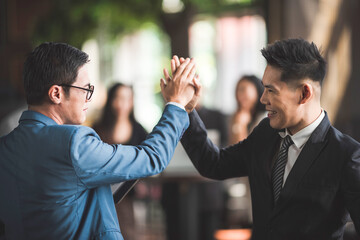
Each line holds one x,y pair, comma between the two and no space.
279,168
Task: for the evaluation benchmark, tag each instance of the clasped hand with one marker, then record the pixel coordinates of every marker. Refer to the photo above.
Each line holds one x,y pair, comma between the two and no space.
184,86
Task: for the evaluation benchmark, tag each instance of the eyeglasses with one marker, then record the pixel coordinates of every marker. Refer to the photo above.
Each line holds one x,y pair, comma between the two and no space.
89,90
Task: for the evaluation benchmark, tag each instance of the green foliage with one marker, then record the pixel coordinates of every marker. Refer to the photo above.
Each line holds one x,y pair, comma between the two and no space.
75,21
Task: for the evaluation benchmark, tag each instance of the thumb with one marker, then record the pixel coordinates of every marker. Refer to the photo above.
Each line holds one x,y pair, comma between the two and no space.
197,85
162,85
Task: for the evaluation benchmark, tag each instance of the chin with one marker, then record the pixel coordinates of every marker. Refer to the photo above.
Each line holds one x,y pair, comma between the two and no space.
276,125
82,121
79,121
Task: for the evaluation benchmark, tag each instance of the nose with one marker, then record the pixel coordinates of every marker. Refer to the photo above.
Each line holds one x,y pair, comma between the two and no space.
263,98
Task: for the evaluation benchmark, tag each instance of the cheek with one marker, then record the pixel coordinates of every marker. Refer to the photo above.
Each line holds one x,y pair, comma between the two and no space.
252,97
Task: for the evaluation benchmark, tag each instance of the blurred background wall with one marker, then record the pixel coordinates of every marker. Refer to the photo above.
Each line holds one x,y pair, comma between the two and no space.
131,41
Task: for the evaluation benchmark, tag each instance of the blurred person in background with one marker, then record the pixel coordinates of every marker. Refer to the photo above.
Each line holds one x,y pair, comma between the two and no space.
118,125
11,120
55,173
304,174
250,111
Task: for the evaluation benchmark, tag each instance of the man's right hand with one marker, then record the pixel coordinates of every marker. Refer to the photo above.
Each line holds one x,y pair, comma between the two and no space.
179,88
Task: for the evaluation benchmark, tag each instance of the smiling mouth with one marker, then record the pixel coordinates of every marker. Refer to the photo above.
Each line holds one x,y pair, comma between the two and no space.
271,113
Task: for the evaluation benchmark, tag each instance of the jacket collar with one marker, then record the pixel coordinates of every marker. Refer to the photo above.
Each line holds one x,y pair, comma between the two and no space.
29,115
302,136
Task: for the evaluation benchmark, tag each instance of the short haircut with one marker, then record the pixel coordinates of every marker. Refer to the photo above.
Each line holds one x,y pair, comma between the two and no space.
50,64
297,59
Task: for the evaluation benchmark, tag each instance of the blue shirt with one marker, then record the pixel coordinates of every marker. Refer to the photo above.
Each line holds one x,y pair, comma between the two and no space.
55,179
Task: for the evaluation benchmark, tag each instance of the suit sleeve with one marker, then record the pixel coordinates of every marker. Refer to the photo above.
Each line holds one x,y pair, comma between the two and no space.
211,161
97,163
351,184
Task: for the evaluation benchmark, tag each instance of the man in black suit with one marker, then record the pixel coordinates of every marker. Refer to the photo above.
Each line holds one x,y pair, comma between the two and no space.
304,174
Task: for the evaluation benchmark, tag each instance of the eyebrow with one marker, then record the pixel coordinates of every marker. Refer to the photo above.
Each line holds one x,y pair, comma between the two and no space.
87,85
268,86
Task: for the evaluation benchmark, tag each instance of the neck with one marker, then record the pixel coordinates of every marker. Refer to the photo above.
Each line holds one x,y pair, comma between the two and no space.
248,110
47,111
309,116
122,119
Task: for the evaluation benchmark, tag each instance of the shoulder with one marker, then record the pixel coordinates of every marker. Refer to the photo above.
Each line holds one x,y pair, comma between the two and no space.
264,125
263,131
70,129
343,141
71,132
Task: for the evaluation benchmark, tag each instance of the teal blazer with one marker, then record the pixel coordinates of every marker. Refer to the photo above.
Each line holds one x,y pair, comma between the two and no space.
55,179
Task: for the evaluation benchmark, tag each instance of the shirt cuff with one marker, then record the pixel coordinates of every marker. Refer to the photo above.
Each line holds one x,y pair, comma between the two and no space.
176,104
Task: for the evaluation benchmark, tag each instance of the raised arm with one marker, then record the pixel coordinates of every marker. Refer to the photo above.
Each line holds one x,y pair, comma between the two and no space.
98,163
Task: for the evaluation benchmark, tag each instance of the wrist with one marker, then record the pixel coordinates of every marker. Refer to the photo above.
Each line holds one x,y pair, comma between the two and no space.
177,101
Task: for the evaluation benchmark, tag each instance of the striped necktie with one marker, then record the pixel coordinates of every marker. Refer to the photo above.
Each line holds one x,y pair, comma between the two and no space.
279,168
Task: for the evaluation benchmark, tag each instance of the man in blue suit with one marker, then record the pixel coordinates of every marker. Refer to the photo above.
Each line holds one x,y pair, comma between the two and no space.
55,174
304,174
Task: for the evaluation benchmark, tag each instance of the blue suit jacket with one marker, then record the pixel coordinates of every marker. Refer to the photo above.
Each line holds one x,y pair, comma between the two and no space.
55,179
321,190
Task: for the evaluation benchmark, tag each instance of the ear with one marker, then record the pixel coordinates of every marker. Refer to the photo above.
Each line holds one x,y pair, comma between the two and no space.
307,92
55,94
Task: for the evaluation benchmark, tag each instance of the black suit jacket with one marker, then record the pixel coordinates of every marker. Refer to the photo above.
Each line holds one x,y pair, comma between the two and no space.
321,190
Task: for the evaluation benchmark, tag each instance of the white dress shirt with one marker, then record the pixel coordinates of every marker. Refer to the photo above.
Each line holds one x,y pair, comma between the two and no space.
176,104
299,139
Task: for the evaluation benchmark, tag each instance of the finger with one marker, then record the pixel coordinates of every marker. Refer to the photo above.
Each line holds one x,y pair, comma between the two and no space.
162,86
166,75
163,81
192,73
189,71
182,66
177,61
182,60
195,80
173,66
197,85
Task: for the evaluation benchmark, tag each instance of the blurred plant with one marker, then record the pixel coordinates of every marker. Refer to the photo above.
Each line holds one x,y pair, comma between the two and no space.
75,21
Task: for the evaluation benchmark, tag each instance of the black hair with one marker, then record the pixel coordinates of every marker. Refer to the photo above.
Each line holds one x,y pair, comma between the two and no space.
108,117
50,64
297,59
259,89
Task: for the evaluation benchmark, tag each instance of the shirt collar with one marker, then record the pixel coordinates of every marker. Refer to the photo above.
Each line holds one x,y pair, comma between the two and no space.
301,137
36,116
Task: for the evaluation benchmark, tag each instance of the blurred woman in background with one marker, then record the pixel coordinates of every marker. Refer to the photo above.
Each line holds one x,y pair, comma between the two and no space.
249,110
248,114
118,125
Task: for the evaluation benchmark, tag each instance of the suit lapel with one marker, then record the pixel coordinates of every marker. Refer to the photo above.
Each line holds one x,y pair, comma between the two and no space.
308,155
